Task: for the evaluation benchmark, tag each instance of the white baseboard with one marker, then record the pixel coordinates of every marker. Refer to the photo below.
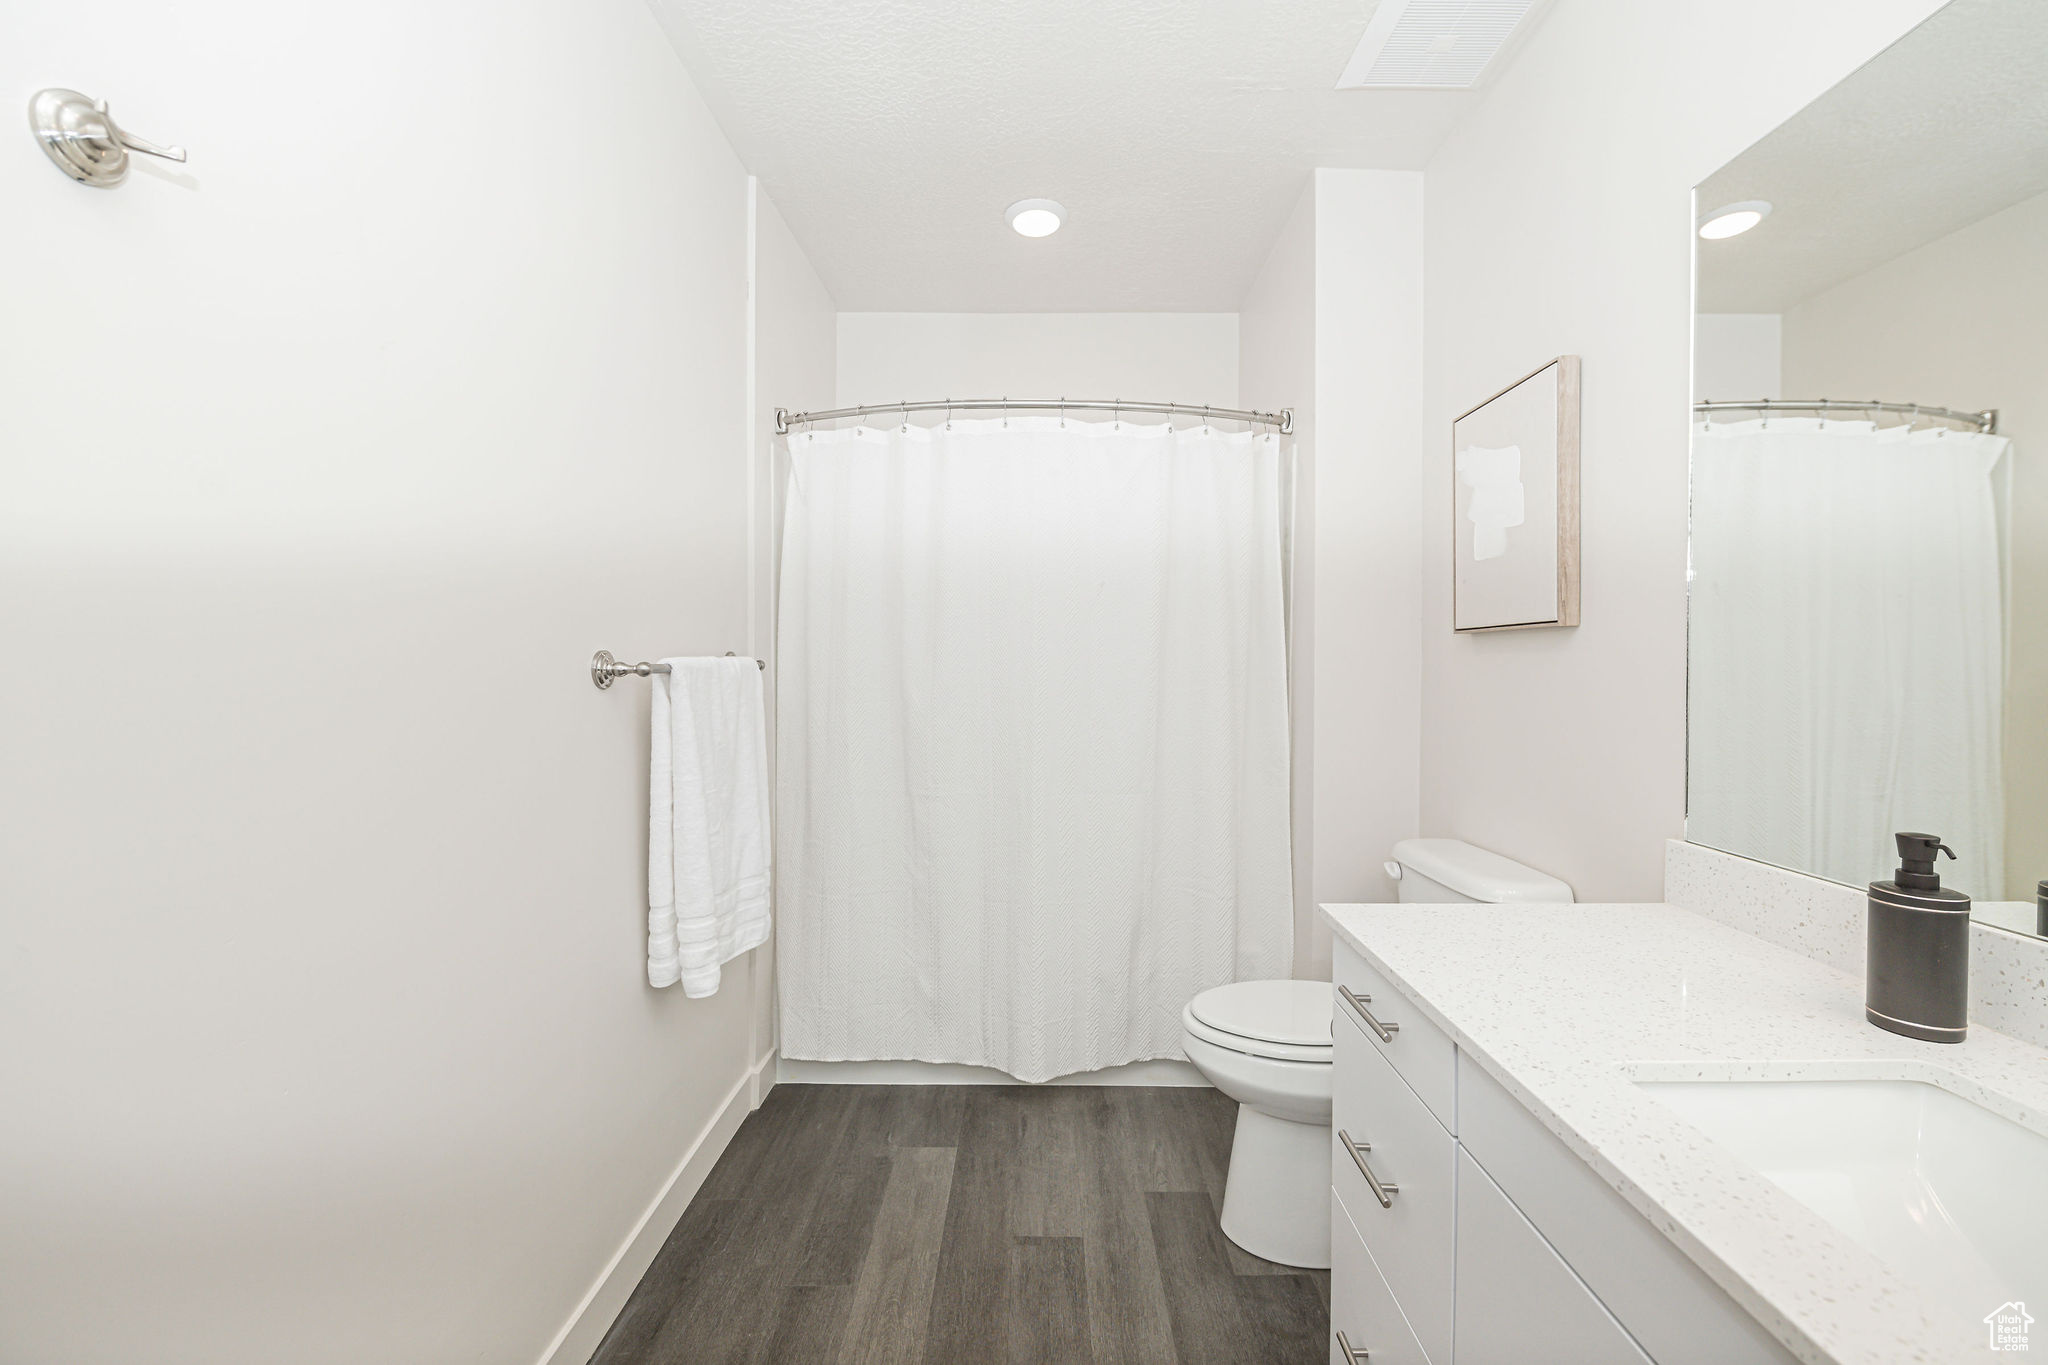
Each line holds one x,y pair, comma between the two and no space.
1161,1072
580,1335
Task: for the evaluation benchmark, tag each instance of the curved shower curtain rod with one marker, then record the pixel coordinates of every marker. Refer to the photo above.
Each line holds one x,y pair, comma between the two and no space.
1985,421
1282,421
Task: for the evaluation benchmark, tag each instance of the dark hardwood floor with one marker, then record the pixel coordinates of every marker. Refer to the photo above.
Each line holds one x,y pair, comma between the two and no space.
958,1225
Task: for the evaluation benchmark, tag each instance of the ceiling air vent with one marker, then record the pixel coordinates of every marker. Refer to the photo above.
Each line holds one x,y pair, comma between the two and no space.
1432,44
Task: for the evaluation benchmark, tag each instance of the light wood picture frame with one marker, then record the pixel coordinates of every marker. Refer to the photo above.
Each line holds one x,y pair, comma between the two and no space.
1515,505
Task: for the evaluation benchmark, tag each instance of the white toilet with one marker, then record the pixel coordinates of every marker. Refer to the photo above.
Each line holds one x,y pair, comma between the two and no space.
1266,1044
1451,871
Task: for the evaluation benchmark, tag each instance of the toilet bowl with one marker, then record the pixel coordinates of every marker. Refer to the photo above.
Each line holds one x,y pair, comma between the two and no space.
1266,1044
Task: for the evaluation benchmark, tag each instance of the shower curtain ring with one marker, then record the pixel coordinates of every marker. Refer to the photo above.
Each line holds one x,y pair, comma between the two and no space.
1205,419
906,415
949,414
1063,412
1006,412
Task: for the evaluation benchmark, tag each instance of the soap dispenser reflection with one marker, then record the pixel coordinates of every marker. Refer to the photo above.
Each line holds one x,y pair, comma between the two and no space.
1917,967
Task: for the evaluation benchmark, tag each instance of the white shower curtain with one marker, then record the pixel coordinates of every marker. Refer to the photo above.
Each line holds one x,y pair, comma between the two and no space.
1032,739
1847,657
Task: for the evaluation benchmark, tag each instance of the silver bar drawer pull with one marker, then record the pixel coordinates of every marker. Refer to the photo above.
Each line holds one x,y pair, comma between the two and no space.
1359,1003
1353,1354
1382,1191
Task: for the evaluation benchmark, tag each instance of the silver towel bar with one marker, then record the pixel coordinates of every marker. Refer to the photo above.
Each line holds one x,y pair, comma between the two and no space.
605,670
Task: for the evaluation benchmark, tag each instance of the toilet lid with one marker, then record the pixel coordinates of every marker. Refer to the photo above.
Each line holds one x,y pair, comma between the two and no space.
1295,1012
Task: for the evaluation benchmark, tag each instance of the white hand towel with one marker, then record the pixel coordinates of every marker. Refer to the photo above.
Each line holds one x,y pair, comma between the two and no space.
707,837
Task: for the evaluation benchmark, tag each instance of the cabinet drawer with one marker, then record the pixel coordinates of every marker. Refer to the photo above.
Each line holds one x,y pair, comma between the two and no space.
1680,1316
1410,1237
1423,1053
1518,1303
1361,1305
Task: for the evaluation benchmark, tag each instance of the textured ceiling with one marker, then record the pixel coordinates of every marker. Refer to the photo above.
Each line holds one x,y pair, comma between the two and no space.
893,133
1947,126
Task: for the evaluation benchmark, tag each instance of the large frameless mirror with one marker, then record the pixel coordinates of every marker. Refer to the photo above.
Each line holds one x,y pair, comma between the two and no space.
1868,638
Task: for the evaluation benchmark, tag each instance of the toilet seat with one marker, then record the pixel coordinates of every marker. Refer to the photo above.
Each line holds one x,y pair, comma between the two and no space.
1286,1021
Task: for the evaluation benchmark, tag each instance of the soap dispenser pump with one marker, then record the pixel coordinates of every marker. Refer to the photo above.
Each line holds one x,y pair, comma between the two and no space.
1917,966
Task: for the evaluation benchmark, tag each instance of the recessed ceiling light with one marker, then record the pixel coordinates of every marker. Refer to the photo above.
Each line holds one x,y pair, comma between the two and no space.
1035,217
1732,219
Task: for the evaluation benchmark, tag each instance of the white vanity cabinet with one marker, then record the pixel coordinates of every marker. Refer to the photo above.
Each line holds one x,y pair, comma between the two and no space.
1410,1221
1518,1302
1365,1321
1488,1242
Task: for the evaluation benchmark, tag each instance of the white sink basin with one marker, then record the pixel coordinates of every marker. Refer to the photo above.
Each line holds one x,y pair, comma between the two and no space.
1952,1196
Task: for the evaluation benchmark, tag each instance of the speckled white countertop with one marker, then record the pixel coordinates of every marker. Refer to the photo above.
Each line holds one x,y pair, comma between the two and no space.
1567,1005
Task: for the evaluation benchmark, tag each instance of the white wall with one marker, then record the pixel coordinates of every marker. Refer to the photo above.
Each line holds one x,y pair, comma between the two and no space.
1737,356
1163,357
1560,221
1332,326
329,458
1277,369
1369,459
1976,298
796,335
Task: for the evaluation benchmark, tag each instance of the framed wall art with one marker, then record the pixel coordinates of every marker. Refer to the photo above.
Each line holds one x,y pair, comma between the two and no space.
1515,505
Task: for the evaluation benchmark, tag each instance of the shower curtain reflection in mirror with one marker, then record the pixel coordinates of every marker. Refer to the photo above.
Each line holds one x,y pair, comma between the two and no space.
1846,653
1032,759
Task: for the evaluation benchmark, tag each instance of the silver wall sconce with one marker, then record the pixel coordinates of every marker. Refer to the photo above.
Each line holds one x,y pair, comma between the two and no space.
83,139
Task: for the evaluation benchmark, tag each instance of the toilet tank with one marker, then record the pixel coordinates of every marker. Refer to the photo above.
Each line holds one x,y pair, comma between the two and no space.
1453,871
